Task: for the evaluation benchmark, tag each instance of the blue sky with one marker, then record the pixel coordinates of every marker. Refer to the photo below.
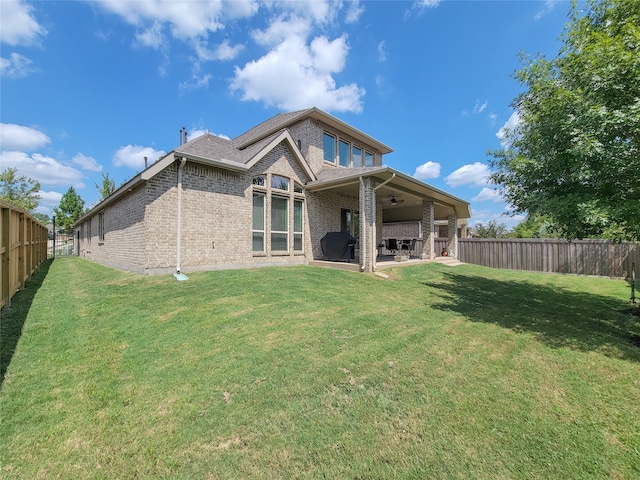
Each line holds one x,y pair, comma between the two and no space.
93,87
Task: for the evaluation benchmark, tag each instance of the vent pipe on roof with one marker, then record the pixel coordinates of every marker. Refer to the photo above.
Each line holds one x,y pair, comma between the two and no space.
183,136
146,163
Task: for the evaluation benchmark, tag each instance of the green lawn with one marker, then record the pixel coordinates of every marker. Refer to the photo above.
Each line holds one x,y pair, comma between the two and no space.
439,372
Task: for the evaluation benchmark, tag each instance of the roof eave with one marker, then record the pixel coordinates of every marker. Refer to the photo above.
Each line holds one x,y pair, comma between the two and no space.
127,187
461,207
317,114
284,136
213,162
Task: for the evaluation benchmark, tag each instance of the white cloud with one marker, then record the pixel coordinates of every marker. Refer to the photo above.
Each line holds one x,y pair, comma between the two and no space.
197,81
488,194
17,25
224,51
548,6
510,125
132,156
19,137
49,199
308,72
382,51
427,170
428,3
354,10
16,66
46,170
422,5
309,63
474,174
280,29
187,19
479,107
152,37
320,11
197,132
87,163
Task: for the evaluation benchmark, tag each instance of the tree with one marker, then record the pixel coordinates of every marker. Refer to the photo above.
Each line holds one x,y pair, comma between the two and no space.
574,156
20,191
43,218
534,226
492,229
69,210
107,188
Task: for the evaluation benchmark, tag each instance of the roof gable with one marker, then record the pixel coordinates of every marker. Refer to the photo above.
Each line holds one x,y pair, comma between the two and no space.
267,128
284,120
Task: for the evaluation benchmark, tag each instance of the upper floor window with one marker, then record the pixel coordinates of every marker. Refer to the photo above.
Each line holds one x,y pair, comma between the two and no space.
259,180
297,188
329,147
356,157
368,159
344,153
279,182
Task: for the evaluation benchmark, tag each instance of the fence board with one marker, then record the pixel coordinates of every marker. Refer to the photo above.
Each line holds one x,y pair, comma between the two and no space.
23,243
601,258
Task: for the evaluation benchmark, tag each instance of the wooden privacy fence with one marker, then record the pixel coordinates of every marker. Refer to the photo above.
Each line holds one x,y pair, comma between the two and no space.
23,246
581,257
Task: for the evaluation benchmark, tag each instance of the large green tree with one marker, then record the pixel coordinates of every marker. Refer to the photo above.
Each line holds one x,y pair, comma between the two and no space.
492,229
107,188
19,191
574,155
69,210
534,226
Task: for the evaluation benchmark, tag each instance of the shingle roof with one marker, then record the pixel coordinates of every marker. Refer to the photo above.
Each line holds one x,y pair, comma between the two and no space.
329,174
210,146
218,148
244,147
274,123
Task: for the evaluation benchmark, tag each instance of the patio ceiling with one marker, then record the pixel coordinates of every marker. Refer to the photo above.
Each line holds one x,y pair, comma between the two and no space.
408,192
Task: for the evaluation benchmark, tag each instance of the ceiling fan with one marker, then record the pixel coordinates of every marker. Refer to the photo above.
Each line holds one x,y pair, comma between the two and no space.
393,200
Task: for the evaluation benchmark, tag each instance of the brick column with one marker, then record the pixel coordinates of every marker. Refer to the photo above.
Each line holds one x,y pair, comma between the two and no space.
367,246
452,235
428,231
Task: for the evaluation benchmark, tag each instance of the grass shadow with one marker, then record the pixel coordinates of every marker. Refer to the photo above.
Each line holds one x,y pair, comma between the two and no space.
12,319
555,315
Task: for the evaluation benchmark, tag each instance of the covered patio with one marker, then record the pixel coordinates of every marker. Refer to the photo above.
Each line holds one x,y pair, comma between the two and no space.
387,196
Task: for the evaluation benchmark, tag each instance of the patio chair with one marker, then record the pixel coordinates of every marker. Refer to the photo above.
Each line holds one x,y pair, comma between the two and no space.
408,246
392,246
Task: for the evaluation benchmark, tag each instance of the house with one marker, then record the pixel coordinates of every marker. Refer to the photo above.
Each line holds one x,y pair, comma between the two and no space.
266,197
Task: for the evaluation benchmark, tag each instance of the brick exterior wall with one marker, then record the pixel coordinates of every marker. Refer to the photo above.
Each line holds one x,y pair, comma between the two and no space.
124,239
324,210
401,230
452,235
217,208
428,230
310,134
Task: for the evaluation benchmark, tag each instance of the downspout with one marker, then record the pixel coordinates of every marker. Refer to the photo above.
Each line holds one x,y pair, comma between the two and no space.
375,216
183,161
363,222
